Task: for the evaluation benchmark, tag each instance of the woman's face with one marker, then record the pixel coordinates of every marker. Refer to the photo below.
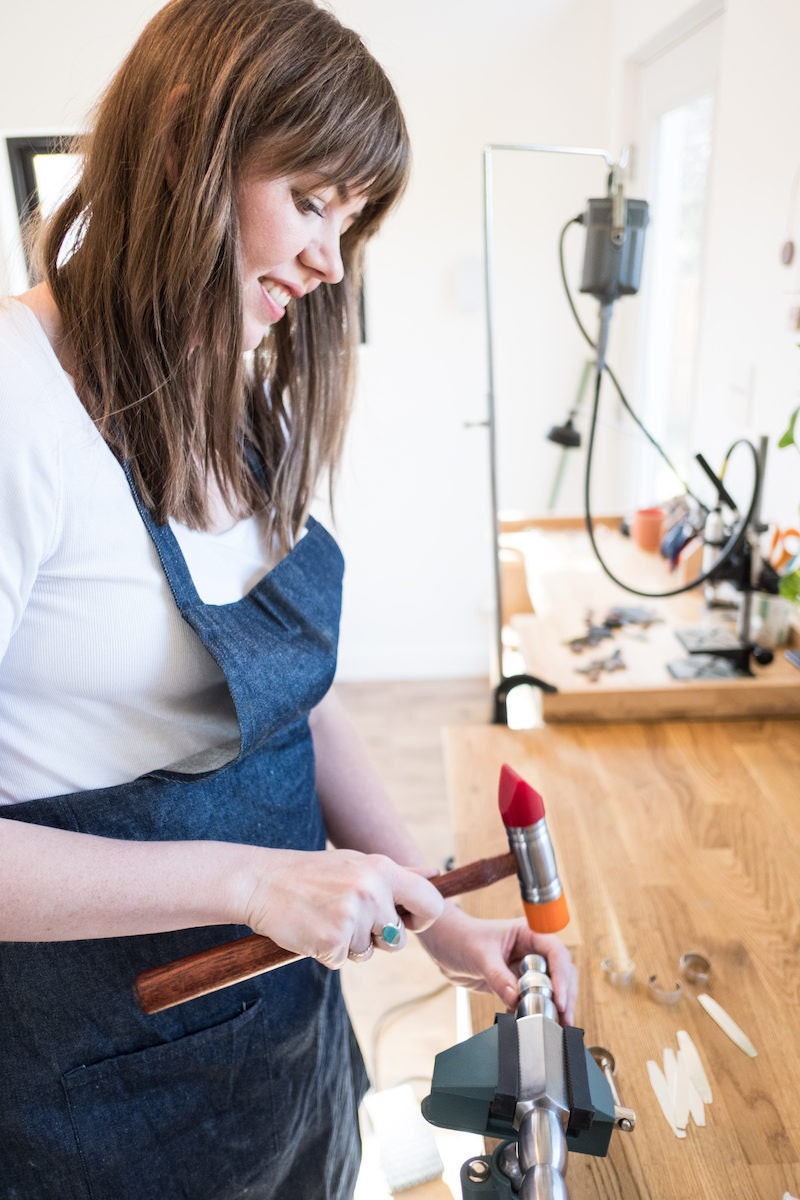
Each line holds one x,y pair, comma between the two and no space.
290,230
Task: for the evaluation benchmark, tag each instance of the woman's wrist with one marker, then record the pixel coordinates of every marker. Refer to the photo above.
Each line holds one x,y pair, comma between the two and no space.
451,916
235,875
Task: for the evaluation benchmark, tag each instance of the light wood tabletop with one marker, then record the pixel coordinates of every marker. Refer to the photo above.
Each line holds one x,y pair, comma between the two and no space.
670,837
565,582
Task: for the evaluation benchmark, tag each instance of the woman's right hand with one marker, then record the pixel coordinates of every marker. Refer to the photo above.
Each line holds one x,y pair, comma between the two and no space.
327,904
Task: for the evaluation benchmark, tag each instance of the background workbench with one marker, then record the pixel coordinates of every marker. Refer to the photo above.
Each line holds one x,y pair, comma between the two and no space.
552,579
669,837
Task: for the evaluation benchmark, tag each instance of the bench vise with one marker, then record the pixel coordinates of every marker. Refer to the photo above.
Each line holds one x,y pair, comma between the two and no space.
532,1084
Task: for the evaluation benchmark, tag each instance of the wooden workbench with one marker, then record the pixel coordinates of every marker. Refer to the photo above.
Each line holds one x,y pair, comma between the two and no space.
669,837
565,581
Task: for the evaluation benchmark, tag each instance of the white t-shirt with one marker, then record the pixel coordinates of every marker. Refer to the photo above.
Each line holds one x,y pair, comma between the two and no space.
100,677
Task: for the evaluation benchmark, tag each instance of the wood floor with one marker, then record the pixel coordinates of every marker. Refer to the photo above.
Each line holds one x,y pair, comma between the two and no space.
402,725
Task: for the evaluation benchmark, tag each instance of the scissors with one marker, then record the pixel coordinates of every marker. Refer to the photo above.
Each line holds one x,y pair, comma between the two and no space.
784,547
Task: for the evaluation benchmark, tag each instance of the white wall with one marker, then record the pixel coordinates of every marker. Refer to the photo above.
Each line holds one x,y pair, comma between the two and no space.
415,515
749,364
413,507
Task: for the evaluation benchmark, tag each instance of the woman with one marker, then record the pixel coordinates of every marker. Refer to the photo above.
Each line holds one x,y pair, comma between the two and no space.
173,760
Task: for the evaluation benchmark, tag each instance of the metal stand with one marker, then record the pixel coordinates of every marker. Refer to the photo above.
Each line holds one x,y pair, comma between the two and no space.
709,654
506,683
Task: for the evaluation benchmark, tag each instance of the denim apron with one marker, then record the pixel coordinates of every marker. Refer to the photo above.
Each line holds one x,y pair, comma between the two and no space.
251,1091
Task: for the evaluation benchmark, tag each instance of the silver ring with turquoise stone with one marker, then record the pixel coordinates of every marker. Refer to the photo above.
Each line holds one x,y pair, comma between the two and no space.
390,934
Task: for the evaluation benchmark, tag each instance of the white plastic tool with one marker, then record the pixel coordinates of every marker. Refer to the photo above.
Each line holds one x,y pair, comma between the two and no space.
661,1087
696,1106
727,1024
678,1081
688,1052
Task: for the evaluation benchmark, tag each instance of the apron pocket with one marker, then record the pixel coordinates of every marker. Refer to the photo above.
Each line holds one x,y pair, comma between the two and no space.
183,1120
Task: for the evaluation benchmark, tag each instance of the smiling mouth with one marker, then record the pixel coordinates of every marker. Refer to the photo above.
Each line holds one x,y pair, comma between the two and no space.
277,294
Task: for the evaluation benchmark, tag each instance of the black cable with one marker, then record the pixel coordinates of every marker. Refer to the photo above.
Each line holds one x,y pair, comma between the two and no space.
739,530
730,546
393,1014
623,398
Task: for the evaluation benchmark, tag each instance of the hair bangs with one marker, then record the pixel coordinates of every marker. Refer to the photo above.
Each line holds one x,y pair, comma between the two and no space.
357,140
372,156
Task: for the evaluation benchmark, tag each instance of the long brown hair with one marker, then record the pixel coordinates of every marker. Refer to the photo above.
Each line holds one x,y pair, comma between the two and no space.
145,268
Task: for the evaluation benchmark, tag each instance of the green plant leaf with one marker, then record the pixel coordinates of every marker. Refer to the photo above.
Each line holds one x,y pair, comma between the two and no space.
789,586
788,437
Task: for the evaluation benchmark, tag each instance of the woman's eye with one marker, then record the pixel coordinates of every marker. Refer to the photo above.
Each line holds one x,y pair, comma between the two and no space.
307,204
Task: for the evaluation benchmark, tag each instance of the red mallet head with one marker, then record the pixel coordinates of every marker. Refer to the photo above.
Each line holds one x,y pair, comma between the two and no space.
522,810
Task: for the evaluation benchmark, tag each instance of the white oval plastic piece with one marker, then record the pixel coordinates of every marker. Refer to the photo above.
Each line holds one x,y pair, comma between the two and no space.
658,1082
727,1024
696,1072
687,1093
678,1082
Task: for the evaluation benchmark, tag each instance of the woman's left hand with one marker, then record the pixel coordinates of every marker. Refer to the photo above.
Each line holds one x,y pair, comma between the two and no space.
484,955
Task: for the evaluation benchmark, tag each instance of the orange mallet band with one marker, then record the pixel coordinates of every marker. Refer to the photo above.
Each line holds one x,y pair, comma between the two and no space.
549,917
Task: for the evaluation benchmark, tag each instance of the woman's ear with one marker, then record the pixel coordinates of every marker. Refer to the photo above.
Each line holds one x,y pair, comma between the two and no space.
173,111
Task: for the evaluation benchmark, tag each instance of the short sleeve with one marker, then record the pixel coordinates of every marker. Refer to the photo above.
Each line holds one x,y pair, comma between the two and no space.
30,472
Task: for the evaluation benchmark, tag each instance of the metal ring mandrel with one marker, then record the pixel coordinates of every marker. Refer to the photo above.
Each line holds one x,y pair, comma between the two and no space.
663,995
535,989
359,956
695,967
541,1142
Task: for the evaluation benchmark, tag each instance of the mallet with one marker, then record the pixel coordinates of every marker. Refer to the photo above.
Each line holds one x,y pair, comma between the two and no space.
522,810
531,857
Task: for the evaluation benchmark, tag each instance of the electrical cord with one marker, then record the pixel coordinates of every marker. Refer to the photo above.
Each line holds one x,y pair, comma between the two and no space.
395,1013
728,549
739,529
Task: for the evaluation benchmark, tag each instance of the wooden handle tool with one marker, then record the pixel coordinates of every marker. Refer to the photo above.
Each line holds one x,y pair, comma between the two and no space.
232,962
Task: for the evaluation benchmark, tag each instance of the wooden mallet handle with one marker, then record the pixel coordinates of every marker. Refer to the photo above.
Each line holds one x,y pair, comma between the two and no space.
232,962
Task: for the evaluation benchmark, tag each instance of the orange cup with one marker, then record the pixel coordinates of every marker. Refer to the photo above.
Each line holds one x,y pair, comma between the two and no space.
647,528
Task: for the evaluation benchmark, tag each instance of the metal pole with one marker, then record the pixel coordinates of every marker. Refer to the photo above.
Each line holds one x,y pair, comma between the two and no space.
505,683
488,243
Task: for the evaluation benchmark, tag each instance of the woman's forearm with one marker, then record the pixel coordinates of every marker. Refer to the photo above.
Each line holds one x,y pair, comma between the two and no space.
59,885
